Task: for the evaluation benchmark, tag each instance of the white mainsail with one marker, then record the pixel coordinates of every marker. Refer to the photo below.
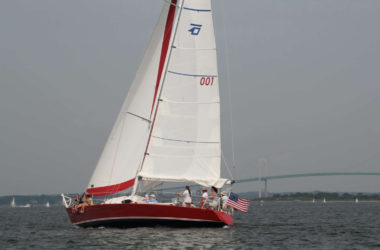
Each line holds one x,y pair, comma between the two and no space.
169,126
185,144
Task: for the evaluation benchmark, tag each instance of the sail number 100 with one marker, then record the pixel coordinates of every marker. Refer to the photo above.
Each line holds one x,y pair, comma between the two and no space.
206,81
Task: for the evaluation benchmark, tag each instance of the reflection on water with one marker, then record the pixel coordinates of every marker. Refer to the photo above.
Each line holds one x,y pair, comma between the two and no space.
275,225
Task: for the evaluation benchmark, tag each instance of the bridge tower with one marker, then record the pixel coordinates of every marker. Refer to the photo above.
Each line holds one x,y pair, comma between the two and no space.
262,164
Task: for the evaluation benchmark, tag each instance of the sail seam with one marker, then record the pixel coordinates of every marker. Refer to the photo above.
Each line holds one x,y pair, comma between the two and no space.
199,10
190,75
188,48
183,156
177,102
187,8
187,141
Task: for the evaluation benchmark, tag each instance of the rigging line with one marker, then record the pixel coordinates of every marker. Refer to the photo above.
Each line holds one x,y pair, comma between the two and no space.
229,92
227,167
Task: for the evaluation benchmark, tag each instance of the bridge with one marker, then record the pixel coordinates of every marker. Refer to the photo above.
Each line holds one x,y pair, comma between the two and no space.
288,176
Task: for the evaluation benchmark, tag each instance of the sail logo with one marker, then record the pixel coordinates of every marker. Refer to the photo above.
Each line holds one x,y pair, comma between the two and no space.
196,28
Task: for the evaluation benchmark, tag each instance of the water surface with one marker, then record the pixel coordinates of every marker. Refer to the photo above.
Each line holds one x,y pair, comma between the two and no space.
275,225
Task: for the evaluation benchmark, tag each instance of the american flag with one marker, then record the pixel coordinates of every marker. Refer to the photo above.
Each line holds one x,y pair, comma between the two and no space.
238,203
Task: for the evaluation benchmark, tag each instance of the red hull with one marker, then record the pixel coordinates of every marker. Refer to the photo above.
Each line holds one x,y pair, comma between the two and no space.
133,214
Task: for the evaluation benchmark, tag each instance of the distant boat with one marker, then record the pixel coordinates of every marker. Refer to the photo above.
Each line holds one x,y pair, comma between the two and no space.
324,200
26,205
13,202
47,204
313,200
356,200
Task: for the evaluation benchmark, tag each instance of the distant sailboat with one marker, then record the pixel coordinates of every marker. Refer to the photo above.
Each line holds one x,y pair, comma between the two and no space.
324,200
313,200
47,204
13,202
356,200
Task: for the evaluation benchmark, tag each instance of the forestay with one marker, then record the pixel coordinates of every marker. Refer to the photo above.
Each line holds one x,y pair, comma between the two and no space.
185,143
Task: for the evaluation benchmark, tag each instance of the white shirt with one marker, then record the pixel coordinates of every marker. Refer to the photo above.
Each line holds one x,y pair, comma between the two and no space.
204,195
224,199
186,196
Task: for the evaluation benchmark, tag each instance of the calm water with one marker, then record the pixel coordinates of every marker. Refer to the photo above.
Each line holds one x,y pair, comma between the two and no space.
275,225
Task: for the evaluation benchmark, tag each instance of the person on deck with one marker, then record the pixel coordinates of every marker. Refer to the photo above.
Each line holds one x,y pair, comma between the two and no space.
86,201
214,192
213,201
224,200
152,199
90,202
204,197
187,196
75,204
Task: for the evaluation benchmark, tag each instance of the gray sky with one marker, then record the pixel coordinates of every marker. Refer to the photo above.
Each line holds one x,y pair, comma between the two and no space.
304,76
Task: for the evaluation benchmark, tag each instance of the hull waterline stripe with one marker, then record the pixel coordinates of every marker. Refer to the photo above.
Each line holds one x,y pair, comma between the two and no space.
183,74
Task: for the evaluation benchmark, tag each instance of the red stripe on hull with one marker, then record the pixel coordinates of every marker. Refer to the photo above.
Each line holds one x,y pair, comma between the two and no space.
107,190
133,214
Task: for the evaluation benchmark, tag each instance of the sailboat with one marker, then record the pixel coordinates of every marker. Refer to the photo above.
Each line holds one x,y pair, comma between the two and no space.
47,204
168,129
13,202
356,200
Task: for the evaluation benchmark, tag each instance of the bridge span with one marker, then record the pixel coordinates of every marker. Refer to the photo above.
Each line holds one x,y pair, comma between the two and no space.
289,176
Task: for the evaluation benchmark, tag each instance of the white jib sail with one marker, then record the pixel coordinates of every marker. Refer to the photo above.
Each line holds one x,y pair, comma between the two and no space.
125,148
185,143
